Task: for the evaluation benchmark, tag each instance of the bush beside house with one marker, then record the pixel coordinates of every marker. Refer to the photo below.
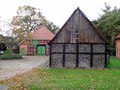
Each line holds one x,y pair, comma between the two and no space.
9,55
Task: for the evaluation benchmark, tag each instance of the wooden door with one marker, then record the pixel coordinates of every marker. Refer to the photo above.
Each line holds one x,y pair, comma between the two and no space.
22,51
41,50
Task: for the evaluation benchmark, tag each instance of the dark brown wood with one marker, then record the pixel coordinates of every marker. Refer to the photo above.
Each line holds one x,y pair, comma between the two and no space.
91,60
105,55
77,55
50,55
63,63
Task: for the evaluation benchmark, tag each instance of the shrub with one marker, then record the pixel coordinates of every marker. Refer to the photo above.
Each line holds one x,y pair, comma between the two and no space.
10,56
8,51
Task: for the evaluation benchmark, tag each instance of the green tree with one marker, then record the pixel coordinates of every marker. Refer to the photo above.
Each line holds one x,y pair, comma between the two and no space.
51,26
1,39
27,20
8,41
109,23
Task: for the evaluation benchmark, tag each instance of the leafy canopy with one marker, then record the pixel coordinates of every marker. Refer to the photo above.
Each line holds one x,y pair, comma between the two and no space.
27,20
109,23
7,41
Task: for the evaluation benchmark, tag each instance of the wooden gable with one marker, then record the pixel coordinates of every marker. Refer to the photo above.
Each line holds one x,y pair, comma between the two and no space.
78,29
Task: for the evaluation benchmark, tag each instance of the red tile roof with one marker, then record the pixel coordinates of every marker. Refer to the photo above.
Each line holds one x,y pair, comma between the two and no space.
118,36
43,33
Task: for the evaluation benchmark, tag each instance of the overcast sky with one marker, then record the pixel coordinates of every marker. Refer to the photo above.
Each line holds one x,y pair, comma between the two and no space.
57,11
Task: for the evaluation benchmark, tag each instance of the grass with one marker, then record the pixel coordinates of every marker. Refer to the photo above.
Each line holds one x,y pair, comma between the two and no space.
114,63
84,79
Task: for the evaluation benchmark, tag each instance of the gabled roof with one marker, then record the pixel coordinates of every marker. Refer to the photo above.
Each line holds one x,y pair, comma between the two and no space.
42,33
78,10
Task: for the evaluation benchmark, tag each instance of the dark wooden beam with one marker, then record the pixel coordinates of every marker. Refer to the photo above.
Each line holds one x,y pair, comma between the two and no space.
63,63
105,55
50,55
91,59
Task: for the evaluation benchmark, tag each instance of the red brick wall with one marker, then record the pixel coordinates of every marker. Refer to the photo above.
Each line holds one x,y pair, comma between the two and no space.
44,41
27,44
31,50
118,48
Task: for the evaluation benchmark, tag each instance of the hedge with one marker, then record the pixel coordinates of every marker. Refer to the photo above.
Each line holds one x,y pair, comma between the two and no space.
10,56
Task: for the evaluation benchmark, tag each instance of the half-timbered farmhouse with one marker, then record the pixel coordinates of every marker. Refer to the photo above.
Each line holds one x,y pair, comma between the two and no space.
38,43
78,44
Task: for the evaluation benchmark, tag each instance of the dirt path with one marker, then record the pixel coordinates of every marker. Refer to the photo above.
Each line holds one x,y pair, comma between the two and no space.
10,68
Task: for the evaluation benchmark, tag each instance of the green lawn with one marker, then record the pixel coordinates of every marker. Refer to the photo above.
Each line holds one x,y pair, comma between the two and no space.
84,79
114,63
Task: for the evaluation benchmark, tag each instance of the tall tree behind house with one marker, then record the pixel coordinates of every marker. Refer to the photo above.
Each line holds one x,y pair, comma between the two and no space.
28,19
109,24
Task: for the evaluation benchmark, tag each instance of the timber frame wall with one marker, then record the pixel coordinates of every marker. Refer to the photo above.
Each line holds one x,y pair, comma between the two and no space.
91,54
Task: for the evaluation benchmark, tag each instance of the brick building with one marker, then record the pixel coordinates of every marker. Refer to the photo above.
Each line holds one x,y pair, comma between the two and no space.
38,44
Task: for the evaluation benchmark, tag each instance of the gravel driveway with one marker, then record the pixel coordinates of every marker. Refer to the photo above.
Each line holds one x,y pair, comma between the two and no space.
9,68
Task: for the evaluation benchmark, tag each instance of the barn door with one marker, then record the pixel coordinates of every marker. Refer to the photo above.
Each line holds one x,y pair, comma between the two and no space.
22,51
41,50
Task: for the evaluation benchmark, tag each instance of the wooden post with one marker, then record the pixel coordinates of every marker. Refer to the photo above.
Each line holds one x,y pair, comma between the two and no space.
77,55
105,55
63,63
91,61
77,47
50,55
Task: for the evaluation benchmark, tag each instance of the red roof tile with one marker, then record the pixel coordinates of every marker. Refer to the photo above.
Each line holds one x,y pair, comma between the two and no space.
43,33
118,36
